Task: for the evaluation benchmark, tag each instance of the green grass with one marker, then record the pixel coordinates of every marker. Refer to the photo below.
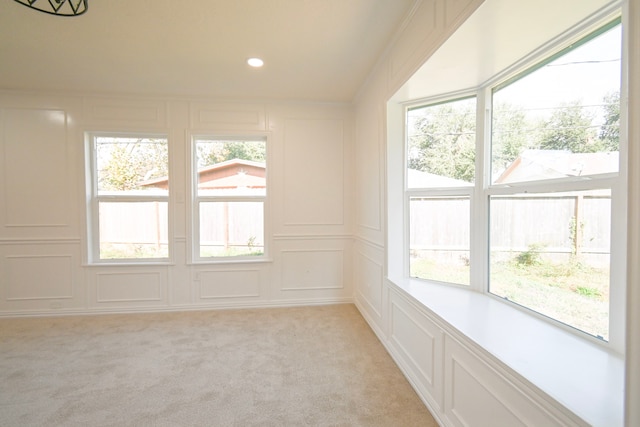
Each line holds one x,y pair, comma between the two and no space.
132,251
425,268
571,292
232,251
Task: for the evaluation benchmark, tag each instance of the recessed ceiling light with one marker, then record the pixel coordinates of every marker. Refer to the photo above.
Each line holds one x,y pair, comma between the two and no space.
255,62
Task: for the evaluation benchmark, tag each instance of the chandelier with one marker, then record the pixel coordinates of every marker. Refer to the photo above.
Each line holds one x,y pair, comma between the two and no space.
57,7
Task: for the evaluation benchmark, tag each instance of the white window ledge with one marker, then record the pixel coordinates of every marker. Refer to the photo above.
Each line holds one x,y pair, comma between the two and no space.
583,376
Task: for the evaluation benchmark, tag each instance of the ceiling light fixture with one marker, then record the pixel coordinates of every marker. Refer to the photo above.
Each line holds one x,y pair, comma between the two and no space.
255,62
57,7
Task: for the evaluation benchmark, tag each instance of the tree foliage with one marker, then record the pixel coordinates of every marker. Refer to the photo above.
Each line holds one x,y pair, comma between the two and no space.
210,153
569,128
610,129
511,135
127,164
444,141
442,137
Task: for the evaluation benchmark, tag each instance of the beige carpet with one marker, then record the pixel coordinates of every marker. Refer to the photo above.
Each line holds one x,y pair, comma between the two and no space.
303,366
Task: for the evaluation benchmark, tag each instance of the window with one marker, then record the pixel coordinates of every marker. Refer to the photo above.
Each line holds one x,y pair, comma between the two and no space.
541,234
129,190
554,162
441,144
230,189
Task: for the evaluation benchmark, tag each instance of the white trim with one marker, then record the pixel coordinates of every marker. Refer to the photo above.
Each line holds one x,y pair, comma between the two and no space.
228,305
631,76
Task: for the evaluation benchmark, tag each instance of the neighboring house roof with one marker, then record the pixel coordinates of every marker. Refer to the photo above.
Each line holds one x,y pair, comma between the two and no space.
419,179
547,164
235,173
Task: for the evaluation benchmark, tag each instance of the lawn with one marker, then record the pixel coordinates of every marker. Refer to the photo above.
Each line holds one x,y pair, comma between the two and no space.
571,292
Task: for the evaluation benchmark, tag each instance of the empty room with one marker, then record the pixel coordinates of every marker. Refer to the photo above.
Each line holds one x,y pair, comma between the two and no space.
320,213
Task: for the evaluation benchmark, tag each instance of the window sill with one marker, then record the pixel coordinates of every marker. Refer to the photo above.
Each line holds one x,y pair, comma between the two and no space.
582,376
222,261
131,264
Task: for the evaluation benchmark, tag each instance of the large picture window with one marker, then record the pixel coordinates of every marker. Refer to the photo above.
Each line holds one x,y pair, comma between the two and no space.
541,233
554,160
129,190
230,190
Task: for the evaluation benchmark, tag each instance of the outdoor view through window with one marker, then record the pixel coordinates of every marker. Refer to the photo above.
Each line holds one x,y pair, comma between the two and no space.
547,194
550,247
231,190
440,175
131,196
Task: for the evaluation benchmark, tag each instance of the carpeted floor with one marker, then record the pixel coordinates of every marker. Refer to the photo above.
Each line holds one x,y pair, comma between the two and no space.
303,366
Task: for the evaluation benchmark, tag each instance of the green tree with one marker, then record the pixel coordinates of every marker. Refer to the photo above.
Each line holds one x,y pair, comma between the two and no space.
127,164
570,127
443,141
511,135
610,130
210,153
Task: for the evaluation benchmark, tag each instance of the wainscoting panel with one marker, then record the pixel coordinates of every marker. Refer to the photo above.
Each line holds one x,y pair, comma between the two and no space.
312,269
369,283
122,289
34,165
228,116
419,343
37,277
475,391
229,284
41,276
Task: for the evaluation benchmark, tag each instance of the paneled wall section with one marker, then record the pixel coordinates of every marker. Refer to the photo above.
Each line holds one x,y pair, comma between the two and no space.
45,268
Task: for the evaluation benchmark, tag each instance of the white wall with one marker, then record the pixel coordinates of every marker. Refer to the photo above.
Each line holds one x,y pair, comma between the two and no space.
43,267
429,26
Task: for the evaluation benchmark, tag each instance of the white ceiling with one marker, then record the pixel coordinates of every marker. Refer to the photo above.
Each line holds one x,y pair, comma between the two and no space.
495,37
319,50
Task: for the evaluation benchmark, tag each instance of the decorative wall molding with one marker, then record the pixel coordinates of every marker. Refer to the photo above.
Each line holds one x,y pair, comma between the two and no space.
369,276
39,138
221,304
228,283
127,287
323,141
227,116
312,237
38,277
39,241
368,242
147,113
311,269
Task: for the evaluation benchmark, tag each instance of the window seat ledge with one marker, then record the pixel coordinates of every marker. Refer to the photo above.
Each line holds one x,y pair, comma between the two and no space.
582,376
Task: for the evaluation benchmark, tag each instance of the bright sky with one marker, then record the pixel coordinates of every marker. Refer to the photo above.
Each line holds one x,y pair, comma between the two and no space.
587,73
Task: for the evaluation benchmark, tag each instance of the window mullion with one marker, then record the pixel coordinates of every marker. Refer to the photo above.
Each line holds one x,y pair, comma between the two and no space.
479,254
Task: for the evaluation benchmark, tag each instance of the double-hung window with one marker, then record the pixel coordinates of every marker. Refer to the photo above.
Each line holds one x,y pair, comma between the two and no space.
229,183
440,176
542,232
128,197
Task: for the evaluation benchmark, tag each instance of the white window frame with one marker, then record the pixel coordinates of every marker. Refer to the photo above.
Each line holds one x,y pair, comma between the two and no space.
94,199
482,190
196,199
